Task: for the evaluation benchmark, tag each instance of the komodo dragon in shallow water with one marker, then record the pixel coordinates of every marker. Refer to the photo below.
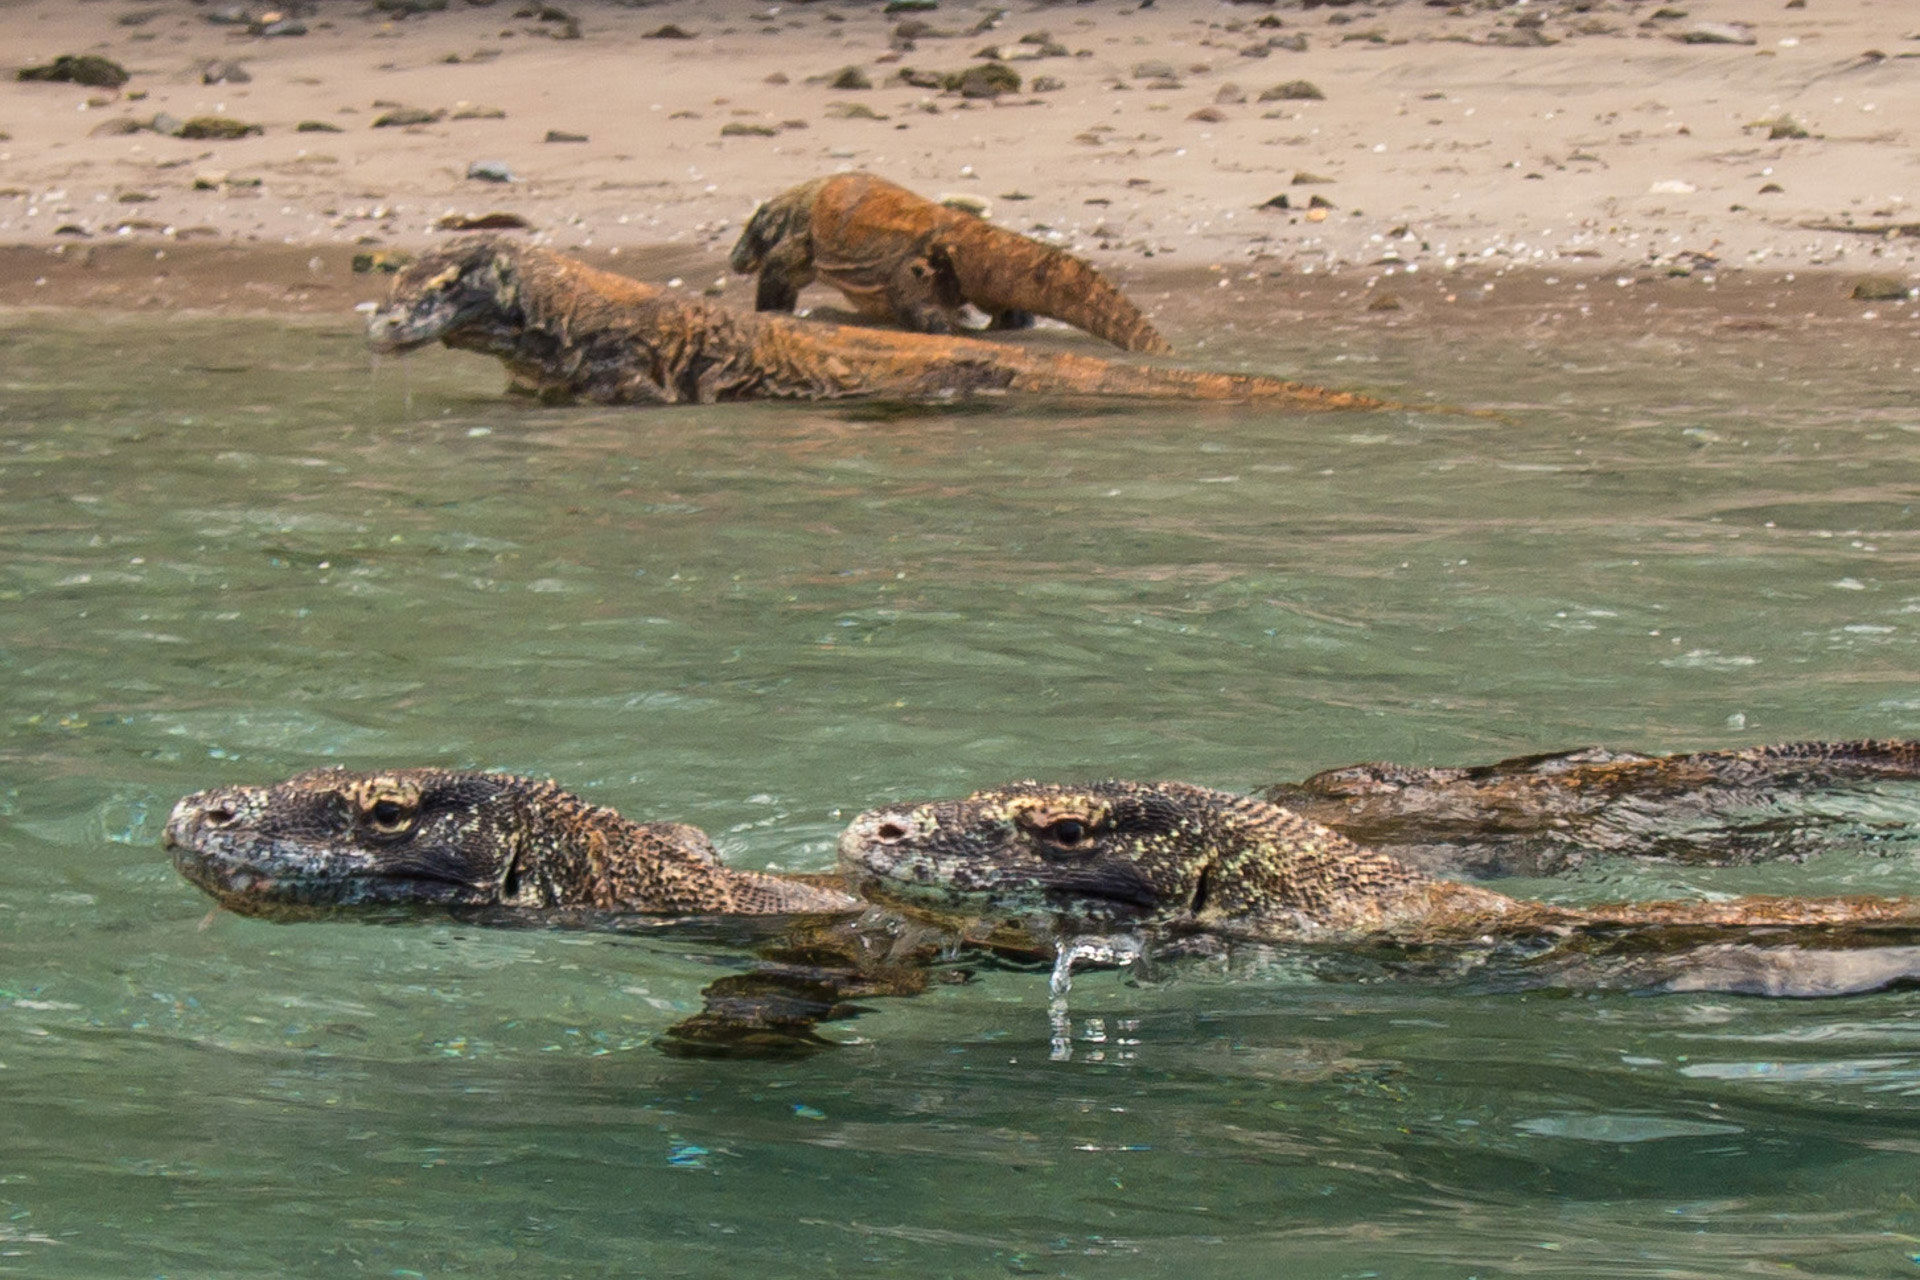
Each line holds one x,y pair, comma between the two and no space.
1534,815
333,838
896,255
1170,859
566,330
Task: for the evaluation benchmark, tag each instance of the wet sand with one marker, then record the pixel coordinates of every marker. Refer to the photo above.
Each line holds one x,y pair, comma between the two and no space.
1583,160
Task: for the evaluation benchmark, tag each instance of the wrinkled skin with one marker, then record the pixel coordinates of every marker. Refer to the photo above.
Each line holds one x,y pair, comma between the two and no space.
567,331
334,839
1171,860
896,255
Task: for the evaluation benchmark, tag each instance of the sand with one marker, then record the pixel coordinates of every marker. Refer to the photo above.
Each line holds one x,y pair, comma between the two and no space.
1525,145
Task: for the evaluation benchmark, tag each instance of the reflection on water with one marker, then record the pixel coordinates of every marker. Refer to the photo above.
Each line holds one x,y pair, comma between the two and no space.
234,552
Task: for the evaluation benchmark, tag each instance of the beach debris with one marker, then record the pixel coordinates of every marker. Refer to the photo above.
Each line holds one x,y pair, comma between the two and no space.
1293,91
317,126
741,129
219,72
495,221
400,117
87,68
1716,33
1671,187
985,80
562,135
489,171
212,128
468,111
1881,288
1884,230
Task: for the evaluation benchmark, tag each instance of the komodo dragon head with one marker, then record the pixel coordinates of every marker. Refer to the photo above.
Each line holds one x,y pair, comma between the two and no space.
333,838
441,292
1121,856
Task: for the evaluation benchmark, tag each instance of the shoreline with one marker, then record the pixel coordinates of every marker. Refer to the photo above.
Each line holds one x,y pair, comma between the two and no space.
1550,150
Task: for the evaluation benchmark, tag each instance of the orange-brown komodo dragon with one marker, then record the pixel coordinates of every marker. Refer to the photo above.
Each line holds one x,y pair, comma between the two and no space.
897,255
567,331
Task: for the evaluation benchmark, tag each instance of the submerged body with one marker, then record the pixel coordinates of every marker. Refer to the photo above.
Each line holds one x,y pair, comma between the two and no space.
896,255
332,838
1534,815
1173,859
569,331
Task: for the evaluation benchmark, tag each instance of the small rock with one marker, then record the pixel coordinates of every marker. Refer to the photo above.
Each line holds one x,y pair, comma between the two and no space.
1295,43
489,171
403,116
1293,91
1279,202
284,27
1772,189
668,32
385,261
115,127
911,6
468,111
1154,70
915,29
166,124
223,128
1880,289
852,111
134,197
1385,302
740,129
1785,127
778,77
561,135
1717,33
850,78
209,180
1208,115
1230,95
224,73
1321,203
317,126
88,68
921,79
483,222
988,80
1047,84
1302,178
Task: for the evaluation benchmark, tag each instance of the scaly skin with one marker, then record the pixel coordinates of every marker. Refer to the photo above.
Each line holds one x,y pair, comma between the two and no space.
333,838
1172,859
897,255
568,331
1539,814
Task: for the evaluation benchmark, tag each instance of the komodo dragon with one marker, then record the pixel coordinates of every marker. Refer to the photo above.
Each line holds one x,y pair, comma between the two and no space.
1170,859
1534,815
332,838
897,255
566,330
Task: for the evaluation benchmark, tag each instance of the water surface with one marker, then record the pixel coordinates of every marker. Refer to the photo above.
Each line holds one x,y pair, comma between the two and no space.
233,550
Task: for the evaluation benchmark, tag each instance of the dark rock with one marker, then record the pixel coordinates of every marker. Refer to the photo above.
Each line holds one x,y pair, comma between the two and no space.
1302,178
988,80
1880,289
1208,115
561,135
216,128
920,79
224,73
317,126
850,78
1279,202
88,68
911,6
668,32
402,116
1385,302
483,222
1786,127
1293,91
1717,33
489,171
741,129
409,8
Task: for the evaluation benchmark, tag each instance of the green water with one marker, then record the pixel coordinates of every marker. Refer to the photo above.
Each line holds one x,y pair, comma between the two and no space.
233,550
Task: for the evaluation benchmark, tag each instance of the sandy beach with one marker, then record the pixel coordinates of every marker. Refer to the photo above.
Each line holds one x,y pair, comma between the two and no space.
1714,154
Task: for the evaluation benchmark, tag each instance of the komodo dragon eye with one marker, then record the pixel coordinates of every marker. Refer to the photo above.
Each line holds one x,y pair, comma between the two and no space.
1066,832
390,816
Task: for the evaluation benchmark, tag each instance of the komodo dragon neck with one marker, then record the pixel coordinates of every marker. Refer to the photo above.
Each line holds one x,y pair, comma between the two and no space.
333,838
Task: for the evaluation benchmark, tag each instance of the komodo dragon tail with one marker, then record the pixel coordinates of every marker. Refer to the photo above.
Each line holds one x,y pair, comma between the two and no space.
1090,375
1001,270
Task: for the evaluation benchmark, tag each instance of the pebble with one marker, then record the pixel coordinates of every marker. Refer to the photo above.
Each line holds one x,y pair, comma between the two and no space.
489,171
224,73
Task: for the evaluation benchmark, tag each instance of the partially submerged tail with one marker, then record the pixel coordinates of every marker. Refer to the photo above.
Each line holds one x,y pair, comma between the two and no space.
1000,270
1090,375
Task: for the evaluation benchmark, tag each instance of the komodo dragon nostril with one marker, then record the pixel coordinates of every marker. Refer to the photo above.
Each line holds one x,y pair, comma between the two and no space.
891,831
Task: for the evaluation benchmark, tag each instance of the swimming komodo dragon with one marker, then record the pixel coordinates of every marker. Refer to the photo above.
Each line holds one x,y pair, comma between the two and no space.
897,255
567,331
1171,859
333,838
1538,814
